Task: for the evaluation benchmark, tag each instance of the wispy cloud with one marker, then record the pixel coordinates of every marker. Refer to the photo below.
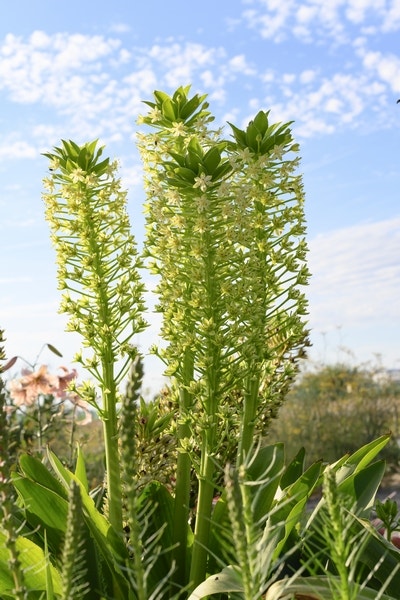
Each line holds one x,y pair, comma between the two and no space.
356,275
94,85
321,21
12,148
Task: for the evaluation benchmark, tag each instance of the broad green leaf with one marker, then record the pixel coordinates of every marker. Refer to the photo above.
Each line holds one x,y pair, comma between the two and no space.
157,502
253,137
239,135
211,160
102,167
161,96
189,107
44,508
35,470
361,458
266,466
34,564
363,485
228,580
294,470
288,524
223,169
109,543
261,121
185,174
49,578
80,469
168,111
381,558
179,158
193,161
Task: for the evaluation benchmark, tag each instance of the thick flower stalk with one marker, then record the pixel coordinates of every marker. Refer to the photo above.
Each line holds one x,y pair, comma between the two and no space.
74,585
184,168
266,303
98,273
225,235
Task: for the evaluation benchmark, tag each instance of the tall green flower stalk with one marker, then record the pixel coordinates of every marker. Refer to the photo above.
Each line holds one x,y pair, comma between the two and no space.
74,585
225,235
129,470
269,305
98,273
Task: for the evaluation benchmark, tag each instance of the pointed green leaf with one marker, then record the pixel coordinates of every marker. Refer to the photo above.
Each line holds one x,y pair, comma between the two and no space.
80,469
363,485
261,121
227,581
49,578
253,138
189,107
239,135
294,470
161,97
185,174
110,544
266,466
168,111
44,508
35,470
211,160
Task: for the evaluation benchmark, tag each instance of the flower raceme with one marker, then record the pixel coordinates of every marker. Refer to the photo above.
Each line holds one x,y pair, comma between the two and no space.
226,236
98,272
96,254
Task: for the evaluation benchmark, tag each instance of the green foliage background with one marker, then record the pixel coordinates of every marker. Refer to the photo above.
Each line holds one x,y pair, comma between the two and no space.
334,409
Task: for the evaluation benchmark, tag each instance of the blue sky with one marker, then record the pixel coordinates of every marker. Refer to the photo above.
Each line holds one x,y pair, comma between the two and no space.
80,70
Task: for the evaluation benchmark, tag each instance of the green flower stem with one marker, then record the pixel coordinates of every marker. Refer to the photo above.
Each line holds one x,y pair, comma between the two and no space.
129,462
183,480
110,428
203,512
213,397
250,405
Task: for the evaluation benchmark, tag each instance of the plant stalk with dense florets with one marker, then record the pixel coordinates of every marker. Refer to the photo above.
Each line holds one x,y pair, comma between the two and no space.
98,273
225,235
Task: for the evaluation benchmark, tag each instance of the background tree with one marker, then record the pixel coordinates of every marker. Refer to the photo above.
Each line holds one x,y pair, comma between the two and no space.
335,409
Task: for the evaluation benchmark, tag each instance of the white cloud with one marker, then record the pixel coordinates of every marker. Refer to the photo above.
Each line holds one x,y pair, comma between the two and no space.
321,20
43,67
11,148
239,64
386,67
95,85
356,275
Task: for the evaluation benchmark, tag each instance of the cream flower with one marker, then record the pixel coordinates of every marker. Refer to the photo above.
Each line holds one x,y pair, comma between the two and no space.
203,182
